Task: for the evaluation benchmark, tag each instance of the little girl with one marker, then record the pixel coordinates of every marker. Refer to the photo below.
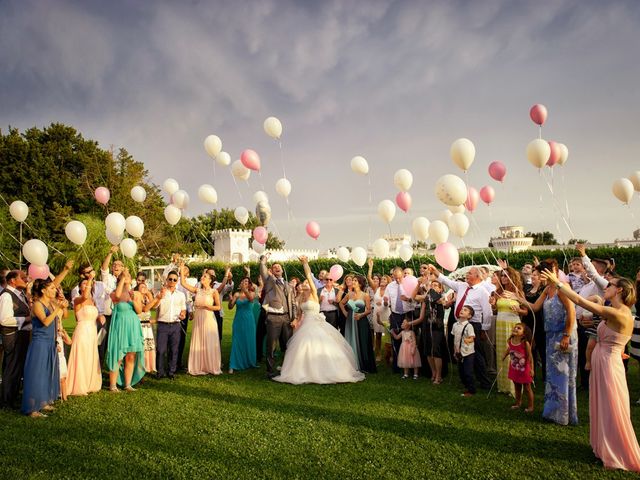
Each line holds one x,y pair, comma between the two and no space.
408,356
61,339
521,363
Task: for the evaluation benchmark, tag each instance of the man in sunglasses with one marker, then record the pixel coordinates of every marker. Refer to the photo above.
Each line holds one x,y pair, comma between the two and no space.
328,305
172,309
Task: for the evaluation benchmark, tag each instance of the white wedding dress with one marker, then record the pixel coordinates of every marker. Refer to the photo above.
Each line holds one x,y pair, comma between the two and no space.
317,352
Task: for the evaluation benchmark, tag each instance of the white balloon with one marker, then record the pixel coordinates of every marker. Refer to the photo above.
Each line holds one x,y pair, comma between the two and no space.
445,215
207,194
359,165
76,232
172,214
257,246
115,223
19,211
405,252
180,199
403,179
386,210
239,171
451,190
128,247
380,248
564,154
283,187
113,239
213,145
138,194
463,152
538,152
260,196
420,228
343,254
459,224
438,231
359,256
223,159
458,209
273,127
241,214
635,179
134,226
170,186
35,251
623,190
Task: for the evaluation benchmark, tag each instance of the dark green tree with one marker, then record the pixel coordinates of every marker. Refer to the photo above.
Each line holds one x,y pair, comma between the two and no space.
542,238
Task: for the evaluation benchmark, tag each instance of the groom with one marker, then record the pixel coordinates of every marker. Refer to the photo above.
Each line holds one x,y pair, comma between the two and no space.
278,304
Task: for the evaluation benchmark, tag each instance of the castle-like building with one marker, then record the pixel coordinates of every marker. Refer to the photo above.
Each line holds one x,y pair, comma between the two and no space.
233,246
512,239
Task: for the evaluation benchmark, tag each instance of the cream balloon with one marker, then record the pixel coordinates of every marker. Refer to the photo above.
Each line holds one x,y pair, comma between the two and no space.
273,127
451,190
128,247
458,209
241,214
19,210
260,196
180,199
239,171
623,190
403,179
359,165
438,231
380,248
420,227
134,226
113,239
76,232
223,159
208,194
115,223
172,214
445,215
405,252
257,246
170,186
213,145
635,179
459,224
538,152
564,154
35,251
283,187
359,256
138,194
343,254
463,152
386,210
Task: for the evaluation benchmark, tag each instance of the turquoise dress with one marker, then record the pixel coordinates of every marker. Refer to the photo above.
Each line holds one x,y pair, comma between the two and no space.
125,336
243,336
358,335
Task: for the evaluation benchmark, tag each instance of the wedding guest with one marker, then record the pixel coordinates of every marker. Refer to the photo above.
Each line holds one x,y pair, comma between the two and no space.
400,303
535,320
520,364
62,339
224,288
408,356
381,313
243,352
110,281
357,331
328,304
343,290
464,347
143,305
432,320
172,308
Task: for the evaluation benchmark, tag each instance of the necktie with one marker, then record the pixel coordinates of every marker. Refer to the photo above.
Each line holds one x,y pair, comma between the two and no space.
399,305
461,302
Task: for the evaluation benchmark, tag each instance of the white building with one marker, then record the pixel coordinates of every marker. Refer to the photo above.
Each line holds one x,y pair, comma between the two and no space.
512,239
395,242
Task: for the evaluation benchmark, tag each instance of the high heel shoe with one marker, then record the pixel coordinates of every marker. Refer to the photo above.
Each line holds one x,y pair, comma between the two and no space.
129,388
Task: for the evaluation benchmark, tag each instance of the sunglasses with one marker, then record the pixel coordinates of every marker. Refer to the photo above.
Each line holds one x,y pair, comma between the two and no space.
172,279
611,285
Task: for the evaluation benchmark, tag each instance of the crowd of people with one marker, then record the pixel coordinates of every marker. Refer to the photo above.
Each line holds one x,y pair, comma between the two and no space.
503,325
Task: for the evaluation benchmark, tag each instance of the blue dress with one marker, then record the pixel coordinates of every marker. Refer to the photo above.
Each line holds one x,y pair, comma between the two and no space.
560,403
243,336
125,336
41,371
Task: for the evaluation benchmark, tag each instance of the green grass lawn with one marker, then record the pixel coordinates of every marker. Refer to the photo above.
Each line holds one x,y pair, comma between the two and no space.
244,426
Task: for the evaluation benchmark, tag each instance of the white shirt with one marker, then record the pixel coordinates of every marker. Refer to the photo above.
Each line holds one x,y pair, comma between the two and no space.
6,309
100,296
488,284
170,306
465,349
326,295
392,291
477,298
110,284
596,286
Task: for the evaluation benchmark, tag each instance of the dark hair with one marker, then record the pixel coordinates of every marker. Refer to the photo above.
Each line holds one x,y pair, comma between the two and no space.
173,272
362,282
39,285
527,333
83,266
12,275
248,279
470,308
544,265
141,274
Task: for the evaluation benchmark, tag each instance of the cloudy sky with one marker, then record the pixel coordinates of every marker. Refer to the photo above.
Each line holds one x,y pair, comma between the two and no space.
394,81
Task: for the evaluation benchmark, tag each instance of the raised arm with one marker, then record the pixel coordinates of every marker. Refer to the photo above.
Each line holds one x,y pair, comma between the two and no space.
183,280
313,293
107,260
60,277
591,270
370,273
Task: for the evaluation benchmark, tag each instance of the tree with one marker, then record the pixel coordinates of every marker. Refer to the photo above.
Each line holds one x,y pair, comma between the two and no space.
573,241
542,238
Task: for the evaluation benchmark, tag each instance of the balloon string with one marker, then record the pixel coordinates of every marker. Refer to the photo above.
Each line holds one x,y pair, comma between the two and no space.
85,254
9,260
20,249
284,173
559,210
566,198
237,186
9,233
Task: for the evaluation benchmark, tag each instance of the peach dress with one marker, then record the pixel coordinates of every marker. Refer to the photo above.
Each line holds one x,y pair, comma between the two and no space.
204,350
83,374
612,436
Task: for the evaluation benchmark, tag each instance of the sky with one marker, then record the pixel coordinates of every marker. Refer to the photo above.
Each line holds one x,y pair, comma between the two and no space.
394,81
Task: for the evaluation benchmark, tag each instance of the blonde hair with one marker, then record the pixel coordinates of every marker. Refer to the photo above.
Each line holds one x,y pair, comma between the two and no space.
628,293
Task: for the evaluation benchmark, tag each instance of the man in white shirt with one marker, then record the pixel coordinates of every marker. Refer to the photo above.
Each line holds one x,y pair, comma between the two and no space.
110,282
400,303
327,296
172,308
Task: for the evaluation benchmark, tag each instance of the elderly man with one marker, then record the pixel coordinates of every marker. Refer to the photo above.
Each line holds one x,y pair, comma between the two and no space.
472,293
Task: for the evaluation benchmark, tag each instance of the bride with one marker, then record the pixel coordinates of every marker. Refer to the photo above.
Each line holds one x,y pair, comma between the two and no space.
317,352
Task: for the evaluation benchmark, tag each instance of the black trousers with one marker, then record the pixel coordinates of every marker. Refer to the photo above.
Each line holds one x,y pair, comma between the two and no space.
395,320
261,332
583,339
102,348
479,363
332,318
184,324
465,369
218,316
167,343
16,344
278,329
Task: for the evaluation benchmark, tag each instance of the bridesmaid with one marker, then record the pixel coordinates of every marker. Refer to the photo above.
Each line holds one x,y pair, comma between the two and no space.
204,351
243,345
357,331
84,374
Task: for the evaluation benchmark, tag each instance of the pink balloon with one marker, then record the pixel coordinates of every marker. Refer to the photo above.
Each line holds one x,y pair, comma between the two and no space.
336,272
447,256
487,194
472,199
250,159
313,229
498,171
38,271
403,200
260,234
102,195
555,153
538,114
409,284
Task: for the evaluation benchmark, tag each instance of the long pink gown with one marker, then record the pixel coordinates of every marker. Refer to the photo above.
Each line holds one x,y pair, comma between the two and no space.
612,436
204,351
84,375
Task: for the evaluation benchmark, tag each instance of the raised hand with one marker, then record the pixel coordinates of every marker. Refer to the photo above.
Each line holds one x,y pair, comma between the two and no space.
502,263
582,250
550,276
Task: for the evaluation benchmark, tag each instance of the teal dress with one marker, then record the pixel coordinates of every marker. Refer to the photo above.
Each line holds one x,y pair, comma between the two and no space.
243,336
125,336
358,334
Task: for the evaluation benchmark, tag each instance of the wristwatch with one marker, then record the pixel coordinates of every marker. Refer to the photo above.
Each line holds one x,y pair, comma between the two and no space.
559,285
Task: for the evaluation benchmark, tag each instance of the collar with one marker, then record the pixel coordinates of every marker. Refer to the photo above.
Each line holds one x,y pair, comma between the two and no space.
19,293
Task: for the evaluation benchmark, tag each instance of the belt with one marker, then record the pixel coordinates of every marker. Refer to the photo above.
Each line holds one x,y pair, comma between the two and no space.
8,330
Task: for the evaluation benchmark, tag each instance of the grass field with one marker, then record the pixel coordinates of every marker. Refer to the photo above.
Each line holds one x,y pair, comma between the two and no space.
244,426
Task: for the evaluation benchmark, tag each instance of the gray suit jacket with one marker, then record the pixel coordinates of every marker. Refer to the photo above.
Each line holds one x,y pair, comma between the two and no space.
275,295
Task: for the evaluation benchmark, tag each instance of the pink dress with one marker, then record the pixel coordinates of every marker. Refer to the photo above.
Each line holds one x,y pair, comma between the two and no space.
612,436
204,351
83,371
519,367
408,356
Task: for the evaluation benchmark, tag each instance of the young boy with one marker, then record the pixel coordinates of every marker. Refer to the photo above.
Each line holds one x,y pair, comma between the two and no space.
464,350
